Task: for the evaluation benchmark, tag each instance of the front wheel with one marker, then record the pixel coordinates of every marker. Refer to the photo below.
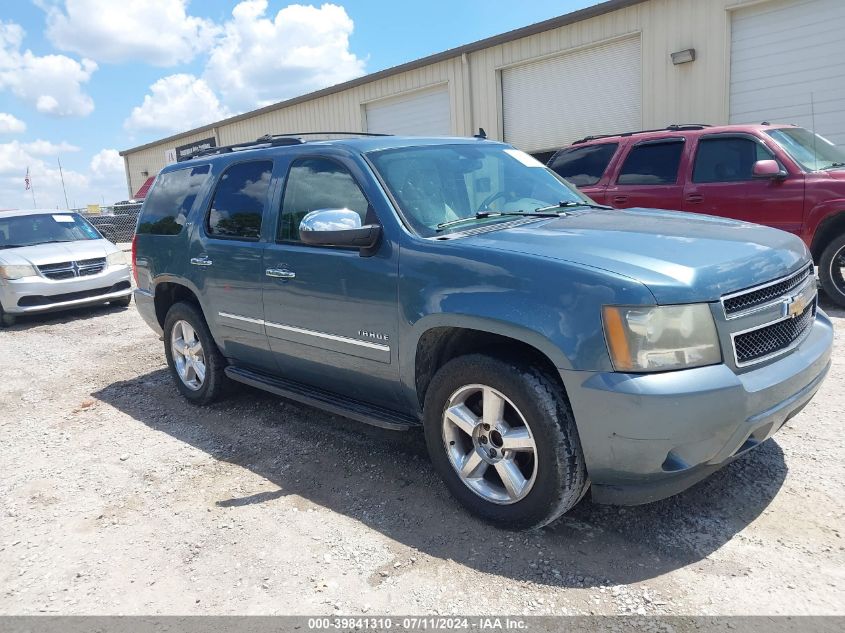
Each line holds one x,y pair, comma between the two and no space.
192,355
6,320
502,436
832,270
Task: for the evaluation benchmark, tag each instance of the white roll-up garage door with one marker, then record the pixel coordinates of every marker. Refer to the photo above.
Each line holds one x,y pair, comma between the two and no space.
418,113
786,54
550,103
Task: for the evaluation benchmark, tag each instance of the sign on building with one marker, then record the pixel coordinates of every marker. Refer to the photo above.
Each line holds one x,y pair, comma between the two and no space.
170,155
184,152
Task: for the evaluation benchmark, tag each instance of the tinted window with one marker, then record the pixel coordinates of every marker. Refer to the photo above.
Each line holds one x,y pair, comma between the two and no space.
727,159
238,204
170,200
317,183
652,164
584,165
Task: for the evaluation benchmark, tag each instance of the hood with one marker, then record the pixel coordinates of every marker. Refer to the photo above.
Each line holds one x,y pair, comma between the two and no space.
42,254
836,174
680,257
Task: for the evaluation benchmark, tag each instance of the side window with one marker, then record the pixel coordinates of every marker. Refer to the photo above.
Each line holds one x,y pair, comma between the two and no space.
238,204
584,165
317,183
168,203
652,164
728,159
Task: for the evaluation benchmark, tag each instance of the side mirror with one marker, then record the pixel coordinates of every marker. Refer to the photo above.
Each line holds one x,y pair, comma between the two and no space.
768,169
338,227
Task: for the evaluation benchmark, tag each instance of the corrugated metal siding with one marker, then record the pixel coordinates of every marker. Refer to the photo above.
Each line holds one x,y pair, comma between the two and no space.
696,92
782,53
550,103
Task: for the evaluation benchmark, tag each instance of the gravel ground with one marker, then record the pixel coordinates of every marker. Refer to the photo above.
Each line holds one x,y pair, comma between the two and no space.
120,498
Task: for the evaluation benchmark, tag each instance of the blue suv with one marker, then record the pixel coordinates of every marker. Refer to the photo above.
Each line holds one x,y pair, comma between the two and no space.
546,345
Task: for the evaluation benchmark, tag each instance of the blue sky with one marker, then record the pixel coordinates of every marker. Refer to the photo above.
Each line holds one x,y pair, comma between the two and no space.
74,74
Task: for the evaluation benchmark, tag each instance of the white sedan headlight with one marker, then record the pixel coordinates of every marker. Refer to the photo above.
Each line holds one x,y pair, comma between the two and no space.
116,259
17,271
661,338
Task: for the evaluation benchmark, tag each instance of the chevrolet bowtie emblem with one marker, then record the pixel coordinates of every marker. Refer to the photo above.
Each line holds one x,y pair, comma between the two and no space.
797,306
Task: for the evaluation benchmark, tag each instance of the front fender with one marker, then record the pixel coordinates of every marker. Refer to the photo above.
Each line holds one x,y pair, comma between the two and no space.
551,305
818,215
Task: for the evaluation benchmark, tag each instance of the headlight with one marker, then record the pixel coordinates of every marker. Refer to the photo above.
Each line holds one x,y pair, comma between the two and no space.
17,271
660,338
116,259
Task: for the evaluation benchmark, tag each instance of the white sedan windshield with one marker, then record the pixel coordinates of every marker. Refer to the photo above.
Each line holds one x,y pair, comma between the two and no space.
43,228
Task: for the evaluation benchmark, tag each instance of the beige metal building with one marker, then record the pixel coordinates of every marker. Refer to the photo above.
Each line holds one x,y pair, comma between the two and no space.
617,66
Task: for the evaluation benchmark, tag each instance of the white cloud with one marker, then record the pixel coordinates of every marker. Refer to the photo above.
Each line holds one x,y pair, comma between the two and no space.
47,148
260,60
100,183
157,32
52,83
11,124
176,103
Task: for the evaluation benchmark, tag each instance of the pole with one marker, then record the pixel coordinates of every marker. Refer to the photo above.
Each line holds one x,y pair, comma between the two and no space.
32,189
67,204
813,123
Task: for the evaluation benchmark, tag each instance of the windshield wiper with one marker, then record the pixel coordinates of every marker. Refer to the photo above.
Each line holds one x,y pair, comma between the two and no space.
834,166
480,215
12,245
568,204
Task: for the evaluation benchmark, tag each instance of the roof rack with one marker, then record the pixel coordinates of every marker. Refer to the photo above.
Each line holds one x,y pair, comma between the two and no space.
675,127
275,140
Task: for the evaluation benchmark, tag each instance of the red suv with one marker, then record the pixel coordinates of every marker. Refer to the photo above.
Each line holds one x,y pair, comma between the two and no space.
779,175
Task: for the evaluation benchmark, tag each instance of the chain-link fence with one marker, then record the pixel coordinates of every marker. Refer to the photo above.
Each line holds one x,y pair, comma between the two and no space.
116,222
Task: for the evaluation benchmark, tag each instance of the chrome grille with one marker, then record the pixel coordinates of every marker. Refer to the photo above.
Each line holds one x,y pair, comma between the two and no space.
771,339
743,301
69,270
62,270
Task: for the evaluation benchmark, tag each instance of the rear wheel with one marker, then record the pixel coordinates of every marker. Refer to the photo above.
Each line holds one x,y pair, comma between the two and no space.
195,362
503,438
832,270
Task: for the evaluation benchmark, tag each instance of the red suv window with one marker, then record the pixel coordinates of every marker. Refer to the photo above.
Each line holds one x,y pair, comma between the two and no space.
652,163
584,165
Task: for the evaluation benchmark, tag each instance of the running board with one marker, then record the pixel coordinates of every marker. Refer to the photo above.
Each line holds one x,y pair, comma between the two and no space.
333,403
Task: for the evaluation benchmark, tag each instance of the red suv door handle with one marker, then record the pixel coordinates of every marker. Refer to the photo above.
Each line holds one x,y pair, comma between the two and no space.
695,197
620,199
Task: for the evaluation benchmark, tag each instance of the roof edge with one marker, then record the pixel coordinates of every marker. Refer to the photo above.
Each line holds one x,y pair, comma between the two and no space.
532,29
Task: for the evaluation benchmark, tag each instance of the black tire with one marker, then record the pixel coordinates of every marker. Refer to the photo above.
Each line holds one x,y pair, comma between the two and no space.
830,274
561,476
6,320
124,302
215,384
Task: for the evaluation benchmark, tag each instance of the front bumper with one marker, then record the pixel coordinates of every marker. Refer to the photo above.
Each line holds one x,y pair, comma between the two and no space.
38,294
648,436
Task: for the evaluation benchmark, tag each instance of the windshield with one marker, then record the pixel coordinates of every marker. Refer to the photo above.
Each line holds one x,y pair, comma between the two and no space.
811,151
437,185
43,228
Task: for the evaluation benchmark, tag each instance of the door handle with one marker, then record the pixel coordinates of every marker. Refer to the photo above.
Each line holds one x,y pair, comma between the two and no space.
620,199
202,260
695,197
280,273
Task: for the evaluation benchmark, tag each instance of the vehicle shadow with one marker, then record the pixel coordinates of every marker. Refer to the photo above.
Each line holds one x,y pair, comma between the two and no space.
384,480
29,321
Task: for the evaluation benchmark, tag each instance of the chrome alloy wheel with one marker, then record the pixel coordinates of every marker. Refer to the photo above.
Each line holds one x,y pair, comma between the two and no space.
837,270
188,356
489,444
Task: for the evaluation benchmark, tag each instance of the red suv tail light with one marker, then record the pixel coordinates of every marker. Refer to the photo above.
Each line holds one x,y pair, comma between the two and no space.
134,256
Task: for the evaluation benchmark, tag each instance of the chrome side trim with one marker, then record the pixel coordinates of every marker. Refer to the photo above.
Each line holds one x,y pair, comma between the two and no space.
330,337
237,317
315,333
